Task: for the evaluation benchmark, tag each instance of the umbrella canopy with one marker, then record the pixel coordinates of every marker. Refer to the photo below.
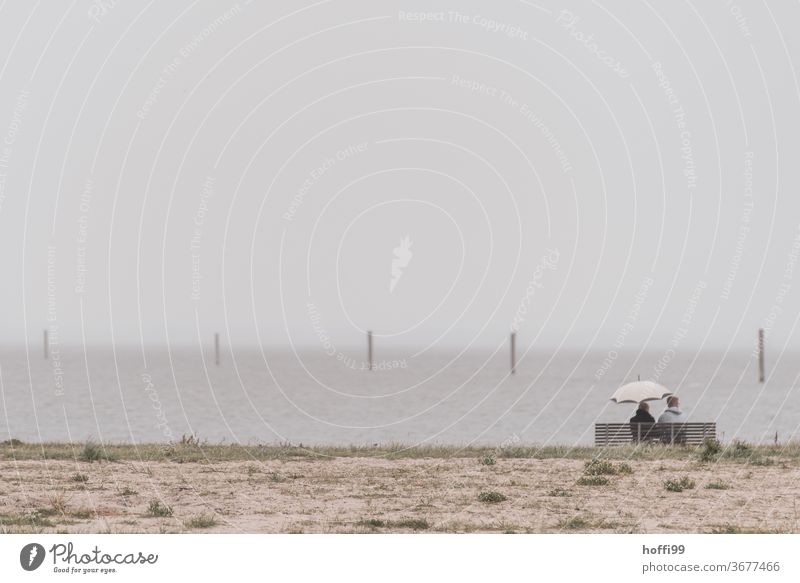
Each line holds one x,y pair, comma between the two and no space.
640,391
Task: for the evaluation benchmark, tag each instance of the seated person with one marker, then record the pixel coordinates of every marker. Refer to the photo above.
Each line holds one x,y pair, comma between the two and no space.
642,416
673,414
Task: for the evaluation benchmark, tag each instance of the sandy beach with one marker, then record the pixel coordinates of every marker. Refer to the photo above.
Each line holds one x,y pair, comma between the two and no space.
361,493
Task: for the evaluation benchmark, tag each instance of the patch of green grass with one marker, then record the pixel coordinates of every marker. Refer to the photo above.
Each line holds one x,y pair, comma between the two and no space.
738,449
559,492
593,481
81,514
679,484
39,518
83,478
487,460
158,509
94,452
201,521
128,491
709,450
718,485
598,467
276,477
13,442
492,497
624,469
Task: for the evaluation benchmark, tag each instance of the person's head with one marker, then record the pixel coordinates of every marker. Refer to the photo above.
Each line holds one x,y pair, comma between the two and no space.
673,402
644,406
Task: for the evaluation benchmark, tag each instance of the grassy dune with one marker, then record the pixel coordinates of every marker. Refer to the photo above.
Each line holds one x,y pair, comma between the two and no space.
192,486
192,450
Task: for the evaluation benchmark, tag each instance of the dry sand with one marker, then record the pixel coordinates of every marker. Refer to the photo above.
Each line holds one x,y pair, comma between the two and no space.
364,494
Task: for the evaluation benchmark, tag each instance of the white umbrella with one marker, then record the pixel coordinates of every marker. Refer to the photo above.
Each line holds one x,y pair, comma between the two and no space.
640,391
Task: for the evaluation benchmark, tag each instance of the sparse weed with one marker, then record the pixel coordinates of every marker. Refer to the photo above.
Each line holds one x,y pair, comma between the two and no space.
492,497
679,484
93,452
412,523
574,523
559,492
159,510
599,468
593,481
709,450
201,521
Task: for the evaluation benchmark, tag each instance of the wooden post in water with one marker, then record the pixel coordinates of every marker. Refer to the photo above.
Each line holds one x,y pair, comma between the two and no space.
513,353
46,345
216,348
369,348
761,355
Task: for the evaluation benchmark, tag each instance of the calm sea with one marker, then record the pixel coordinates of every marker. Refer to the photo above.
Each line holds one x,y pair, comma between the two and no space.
128,396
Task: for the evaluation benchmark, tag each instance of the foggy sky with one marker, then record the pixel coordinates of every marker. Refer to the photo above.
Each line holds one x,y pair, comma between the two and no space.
610,175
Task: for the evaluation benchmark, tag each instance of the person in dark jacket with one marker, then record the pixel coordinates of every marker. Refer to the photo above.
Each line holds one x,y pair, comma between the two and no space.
639,433
643,414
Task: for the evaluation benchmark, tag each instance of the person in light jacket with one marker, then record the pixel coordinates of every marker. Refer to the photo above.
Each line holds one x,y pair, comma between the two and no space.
673,413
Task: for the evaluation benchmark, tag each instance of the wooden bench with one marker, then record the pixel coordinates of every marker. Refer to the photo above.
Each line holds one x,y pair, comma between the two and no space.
680,433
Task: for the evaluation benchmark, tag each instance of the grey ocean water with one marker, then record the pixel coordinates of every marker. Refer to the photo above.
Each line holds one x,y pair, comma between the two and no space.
312,398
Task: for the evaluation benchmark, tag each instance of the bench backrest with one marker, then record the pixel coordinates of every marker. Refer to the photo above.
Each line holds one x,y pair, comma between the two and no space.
619,433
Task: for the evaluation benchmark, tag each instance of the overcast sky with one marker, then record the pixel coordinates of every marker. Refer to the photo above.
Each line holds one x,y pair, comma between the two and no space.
616,174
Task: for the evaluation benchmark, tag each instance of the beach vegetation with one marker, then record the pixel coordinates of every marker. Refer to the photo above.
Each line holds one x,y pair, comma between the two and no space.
598,467
412,523
492,497
191,452
201,521
574,523
158,509
93,452
81,513
709,450
559,493
593,481
679,484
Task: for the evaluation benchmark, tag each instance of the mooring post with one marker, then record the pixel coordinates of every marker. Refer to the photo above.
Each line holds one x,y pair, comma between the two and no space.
513,353
46,345
216,348
761,355
369,349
